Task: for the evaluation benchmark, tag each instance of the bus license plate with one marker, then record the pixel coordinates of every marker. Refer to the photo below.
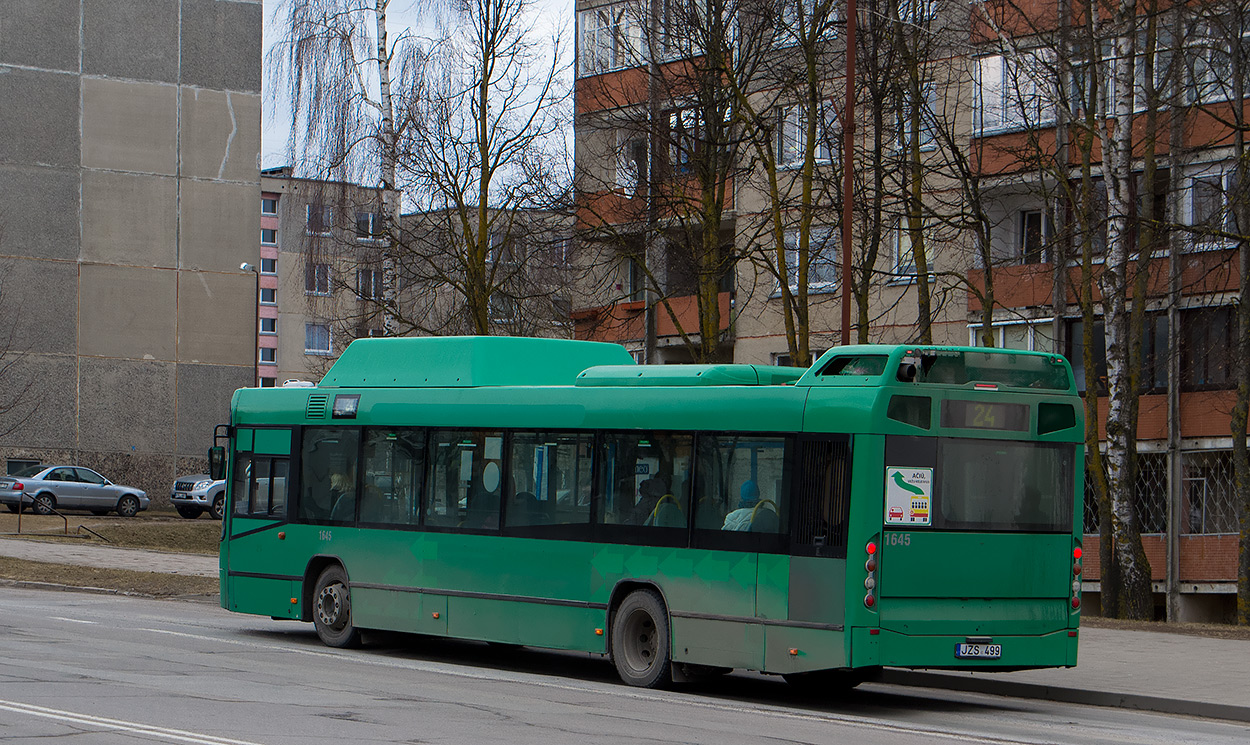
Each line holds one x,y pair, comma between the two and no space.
979,651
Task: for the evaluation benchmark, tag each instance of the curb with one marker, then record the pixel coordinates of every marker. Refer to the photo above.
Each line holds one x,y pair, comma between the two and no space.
1014,689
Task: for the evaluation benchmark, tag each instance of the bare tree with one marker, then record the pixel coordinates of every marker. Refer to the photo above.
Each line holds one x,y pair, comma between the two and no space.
18,395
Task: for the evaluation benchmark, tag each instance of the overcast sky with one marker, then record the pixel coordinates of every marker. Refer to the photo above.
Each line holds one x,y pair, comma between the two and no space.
276,117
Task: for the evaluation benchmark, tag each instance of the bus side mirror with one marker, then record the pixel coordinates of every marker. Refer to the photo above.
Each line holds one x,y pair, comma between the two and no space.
217,462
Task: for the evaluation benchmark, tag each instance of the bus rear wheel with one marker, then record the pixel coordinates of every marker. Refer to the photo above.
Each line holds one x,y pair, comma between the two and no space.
640,640
332,610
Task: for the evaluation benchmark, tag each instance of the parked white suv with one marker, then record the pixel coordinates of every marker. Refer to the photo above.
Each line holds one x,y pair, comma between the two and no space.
198,493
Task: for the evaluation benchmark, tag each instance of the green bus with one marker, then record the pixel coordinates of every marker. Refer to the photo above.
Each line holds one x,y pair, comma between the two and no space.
909,506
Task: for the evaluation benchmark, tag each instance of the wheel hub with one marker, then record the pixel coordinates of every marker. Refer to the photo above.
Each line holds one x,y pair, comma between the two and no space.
330,605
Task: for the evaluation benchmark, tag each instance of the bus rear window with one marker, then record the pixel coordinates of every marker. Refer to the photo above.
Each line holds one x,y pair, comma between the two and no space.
862,364
1004,486
1009,370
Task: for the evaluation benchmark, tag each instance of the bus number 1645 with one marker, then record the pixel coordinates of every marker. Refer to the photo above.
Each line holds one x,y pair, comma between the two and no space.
897,539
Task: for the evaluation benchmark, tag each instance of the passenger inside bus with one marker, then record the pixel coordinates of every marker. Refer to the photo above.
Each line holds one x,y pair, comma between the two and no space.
740,519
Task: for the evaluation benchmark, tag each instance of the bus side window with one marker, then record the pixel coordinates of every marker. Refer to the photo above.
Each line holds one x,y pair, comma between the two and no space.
466,477
645,479
240,484
742,484
549,479
394,463
328,466
821,498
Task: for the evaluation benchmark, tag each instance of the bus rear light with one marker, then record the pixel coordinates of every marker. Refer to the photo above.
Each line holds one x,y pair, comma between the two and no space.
874,632
870,583
869,600
1076,569
871,548
794,652
1076,602
870,565
1076,552
986,386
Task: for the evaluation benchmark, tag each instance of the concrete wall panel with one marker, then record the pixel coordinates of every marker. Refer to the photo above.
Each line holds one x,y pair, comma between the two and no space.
39,212
39,305
26,37
204,393
136,39
149,472
126,405
220,135
220,226
129,126
208,27
216,315
39,118
42,389
128,312
129,219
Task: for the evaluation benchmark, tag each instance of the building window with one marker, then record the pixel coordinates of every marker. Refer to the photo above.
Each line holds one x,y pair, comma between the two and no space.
1211,209
268,325
611,38
902,259
683,139
269,236
320,218
796,15
368,284
1032,235
268,355
268,206
368,226
317,279
634,286
316,338
926,116
13,465
783,359
501,306
792,134
631,163
1016,90
268,382
268,296
1035,336
268,266
822,260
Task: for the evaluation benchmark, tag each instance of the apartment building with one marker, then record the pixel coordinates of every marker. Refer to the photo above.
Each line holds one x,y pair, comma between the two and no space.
972,148
128,171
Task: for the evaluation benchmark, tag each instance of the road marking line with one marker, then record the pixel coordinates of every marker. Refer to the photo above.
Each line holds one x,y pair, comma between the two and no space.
871,723
72,620
175,735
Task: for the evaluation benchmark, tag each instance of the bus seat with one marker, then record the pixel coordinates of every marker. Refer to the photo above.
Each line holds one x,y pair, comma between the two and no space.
764,518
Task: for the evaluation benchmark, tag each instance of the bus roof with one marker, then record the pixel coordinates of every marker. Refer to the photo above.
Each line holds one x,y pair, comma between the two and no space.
467,362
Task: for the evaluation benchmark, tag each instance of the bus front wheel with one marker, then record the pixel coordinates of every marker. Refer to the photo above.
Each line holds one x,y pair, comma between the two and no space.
640,640
332,610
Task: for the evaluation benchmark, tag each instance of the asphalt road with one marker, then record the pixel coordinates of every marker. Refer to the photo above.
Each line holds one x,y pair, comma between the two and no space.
110,670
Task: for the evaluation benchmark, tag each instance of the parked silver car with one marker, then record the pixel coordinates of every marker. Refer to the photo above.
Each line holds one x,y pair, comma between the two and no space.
48,488
198,493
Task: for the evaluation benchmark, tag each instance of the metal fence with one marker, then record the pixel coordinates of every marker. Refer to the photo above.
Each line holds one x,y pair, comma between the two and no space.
1208,500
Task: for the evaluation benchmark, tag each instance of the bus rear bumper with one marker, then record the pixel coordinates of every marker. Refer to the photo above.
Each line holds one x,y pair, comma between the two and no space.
892,649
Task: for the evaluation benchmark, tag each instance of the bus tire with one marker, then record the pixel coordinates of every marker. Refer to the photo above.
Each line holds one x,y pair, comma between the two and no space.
332,610
640,640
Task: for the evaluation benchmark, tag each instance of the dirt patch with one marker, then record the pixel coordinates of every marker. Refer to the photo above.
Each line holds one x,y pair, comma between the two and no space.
152,584
1210,630
159,532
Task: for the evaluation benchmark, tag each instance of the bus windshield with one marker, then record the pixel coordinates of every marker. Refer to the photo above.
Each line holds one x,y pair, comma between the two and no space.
1005,486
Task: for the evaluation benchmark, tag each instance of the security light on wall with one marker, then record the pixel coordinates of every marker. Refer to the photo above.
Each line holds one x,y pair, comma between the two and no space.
245,267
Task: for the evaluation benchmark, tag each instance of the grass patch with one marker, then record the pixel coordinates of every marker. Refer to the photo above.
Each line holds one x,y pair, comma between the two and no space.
155,532
153,584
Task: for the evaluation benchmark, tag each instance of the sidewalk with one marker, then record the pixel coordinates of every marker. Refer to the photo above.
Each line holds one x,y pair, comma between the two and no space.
1146,670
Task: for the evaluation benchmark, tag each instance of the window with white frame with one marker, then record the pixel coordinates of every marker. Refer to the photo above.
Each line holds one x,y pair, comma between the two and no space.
268,382
317,279
320,218
631,162
1211,201
269,236
925,114
268,206
369,284
1032,234
815,20
822,260
1031,335
902,258
683,139
316,338
1209,63
268,356
1016,90
611,39
269,326
268,296
368,226
268,266
792,135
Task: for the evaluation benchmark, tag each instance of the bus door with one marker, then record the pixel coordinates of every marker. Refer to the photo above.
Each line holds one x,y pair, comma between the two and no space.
256,568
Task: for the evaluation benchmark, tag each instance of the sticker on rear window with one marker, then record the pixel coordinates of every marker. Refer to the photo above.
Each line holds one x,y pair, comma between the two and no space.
908,495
